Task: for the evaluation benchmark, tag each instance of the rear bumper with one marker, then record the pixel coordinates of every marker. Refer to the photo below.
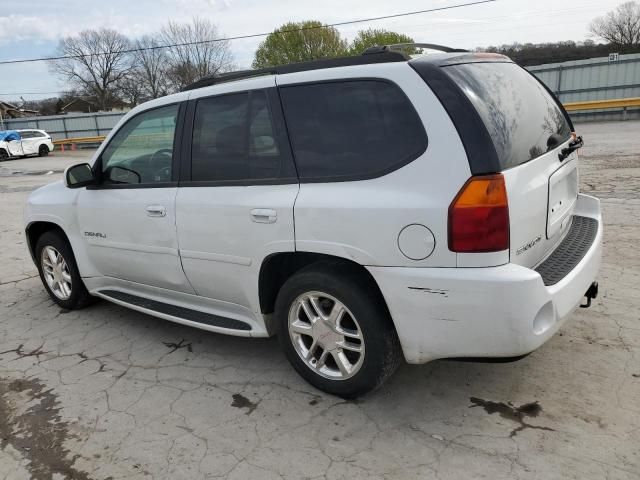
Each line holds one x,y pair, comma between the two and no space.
503,311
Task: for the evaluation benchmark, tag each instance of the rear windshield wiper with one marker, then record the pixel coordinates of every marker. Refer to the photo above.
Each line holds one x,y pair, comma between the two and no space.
575,144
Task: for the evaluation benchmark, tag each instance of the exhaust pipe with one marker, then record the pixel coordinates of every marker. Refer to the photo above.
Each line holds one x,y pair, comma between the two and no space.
592,292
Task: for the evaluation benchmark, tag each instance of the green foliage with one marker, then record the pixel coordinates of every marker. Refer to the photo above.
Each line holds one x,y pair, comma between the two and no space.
289,44
379,37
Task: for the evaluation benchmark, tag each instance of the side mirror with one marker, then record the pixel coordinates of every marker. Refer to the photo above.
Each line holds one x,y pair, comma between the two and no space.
79,175
119,174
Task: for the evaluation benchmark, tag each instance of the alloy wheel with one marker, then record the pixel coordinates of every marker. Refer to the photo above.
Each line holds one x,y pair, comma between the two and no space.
326,335
56,272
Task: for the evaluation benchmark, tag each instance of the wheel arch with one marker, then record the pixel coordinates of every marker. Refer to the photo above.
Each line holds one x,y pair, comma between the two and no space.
36,229
278,267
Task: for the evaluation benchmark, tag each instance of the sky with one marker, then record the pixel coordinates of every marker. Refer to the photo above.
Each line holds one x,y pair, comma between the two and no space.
32,28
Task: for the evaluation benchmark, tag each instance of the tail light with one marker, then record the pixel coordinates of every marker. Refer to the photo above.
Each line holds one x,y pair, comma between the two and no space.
479,216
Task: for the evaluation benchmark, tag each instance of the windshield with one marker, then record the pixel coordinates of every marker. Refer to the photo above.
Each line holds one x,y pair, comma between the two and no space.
524,121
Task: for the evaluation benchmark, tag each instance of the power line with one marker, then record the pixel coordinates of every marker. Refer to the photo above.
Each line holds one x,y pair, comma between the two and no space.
252,35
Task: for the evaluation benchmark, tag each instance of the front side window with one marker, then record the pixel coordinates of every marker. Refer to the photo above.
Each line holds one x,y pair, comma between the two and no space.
351,129
142,150
234,139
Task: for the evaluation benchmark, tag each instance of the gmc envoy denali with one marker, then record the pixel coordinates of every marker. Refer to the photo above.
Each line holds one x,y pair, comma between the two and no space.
365,209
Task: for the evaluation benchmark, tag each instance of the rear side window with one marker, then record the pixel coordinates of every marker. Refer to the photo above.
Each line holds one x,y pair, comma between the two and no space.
519,113
351,129
234,139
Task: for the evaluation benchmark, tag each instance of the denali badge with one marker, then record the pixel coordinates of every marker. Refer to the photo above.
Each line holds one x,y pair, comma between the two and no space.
95,234
529,245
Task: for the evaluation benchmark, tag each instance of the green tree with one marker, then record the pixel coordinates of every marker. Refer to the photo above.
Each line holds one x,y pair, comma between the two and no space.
299,42
378,37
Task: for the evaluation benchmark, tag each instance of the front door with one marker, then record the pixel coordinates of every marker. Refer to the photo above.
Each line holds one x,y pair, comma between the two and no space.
15,148
236,205
128,221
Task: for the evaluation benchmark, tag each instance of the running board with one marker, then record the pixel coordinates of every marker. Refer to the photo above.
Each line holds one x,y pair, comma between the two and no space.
175,311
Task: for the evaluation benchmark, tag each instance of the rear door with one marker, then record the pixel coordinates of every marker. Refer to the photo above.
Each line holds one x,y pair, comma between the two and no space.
30,142
528,128
237,191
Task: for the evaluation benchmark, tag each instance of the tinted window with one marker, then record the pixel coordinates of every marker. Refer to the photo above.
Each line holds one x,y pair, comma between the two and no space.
26,134
142,149
518,112
351,129
234,139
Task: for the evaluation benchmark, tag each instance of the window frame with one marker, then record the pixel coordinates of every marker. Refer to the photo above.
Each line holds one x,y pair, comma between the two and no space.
175,163
368,176
288,170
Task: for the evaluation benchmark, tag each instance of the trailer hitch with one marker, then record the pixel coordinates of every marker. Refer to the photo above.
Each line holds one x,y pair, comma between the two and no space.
592,292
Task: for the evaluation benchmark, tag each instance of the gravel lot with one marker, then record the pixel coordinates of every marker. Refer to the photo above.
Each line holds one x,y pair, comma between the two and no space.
112,393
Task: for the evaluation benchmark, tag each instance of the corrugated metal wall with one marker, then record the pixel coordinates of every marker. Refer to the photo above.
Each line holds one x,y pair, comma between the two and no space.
594,79
68,126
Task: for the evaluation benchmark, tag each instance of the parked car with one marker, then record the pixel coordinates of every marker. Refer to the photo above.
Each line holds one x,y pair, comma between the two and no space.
365,209
21,143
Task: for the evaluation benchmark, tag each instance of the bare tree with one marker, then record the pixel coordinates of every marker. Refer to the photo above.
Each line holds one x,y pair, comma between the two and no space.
200,58
620,27
95,62
151,65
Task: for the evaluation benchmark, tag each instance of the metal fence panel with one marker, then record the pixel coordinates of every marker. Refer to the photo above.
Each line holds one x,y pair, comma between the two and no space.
70,125
594,79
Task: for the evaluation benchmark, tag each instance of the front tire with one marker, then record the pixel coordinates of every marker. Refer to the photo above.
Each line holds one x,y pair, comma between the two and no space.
336,331
4,155
43,151
59,271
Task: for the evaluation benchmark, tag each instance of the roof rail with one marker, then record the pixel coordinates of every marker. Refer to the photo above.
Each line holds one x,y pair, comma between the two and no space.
384,56
399,46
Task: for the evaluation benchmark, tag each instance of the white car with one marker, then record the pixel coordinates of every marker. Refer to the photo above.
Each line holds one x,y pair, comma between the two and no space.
26,142
365,209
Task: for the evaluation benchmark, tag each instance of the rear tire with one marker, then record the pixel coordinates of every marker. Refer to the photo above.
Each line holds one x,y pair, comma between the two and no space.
59,272
43,151
346,365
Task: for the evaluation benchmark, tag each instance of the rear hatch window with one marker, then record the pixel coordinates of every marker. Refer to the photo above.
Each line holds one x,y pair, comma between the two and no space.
524,121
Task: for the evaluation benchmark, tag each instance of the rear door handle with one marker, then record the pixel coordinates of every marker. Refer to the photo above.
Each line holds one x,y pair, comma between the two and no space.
156,211
264,215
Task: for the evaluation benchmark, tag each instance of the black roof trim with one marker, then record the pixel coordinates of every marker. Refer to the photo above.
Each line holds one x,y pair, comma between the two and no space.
364,59
477,142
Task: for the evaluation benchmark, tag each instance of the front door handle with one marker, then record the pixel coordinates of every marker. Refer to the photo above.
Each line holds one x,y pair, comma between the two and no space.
264,215
156,211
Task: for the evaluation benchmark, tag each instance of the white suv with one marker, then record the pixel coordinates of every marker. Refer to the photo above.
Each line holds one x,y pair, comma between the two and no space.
20,143
365,209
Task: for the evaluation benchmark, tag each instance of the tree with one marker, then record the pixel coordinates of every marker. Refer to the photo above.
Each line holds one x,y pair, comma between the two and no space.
150,68
620,27
379,37
193,55
95,63
298,42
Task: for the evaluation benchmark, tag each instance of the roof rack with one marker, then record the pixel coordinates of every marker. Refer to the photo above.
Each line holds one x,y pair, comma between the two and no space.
400,46
382,56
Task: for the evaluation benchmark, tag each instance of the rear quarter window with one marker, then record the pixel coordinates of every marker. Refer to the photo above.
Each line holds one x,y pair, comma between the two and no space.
350,130
518,112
